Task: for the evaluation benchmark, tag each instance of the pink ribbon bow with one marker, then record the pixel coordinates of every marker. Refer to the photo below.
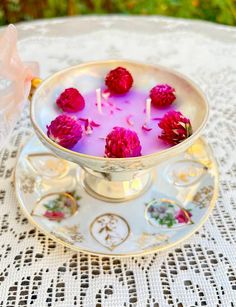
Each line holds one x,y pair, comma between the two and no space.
15,81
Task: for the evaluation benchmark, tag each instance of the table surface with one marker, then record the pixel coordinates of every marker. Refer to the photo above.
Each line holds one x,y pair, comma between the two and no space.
34,270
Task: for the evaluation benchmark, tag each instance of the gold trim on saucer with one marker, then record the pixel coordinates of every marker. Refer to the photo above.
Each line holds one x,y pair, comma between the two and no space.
195,228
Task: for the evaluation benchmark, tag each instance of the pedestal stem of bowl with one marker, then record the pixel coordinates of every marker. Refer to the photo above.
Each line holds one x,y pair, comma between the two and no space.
103,186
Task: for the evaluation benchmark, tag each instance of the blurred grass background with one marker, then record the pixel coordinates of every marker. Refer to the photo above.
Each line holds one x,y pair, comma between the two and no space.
220,11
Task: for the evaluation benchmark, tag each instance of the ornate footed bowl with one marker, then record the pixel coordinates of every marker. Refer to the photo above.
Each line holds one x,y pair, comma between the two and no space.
117,180
117,207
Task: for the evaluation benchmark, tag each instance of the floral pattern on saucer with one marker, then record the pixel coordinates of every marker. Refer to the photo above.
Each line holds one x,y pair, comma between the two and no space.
57,206
70,234
27,183
167,213
150,240
203,196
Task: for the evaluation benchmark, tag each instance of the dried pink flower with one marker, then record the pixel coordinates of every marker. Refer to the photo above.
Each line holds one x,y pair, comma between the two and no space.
71,100
175,128
162,95
122,143
65,131
119,80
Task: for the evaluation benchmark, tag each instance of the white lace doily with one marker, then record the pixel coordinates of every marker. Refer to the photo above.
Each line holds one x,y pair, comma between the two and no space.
35,271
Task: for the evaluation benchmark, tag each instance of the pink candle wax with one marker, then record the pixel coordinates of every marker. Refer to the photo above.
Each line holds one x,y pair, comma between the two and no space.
126,111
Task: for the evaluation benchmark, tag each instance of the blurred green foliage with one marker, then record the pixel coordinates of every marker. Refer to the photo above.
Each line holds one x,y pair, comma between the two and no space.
221,11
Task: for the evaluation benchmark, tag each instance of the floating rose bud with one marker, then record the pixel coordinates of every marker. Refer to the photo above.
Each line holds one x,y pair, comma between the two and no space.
70,100
89,124
162,95
65,131
129,120
122,143
146,128
119,80
175,128
156,118
93,124
106,94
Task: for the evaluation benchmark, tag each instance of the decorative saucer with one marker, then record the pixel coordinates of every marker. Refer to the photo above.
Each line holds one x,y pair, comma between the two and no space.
178,202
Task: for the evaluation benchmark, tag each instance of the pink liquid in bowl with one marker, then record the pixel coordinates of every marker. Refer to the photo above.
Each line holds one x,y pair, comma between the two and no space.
126,111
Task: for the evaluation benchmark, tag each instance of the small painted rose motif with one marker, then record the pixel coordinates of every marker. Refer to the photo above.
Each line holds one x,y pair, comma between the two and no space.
183,216
54,215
